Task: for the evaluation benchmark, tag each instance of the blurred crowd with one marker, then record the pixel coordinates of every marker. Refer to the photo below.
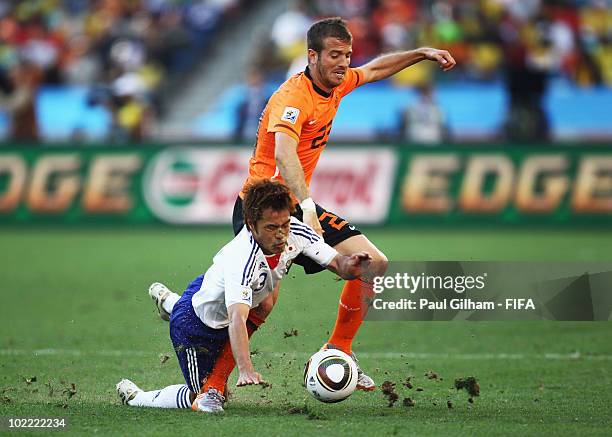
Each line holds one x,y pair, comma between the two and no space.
567,37
520,42
129,53
126,52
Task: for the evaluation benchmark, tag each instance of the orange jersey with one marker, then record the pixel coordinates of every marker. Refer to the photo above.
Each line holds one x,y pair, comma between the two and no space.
303,111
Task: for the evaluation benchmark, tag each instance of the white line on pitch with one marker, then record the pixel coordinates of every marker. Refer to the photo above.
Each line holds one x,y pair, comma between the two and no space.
366,355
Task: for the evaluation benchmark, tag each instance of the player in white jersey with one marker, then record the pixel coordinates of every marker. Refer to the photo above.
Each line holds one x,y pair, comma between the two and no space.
214,312
243,273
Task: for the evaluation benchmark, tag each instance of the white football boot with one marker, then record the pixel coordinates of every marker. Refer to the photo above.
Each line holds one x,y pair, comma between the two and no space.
127,390
209,402
364,382
159,292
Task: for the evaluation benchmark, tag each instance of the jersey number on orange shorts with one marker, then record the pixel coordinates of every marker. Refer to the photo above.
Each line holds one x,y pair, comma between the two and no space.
332,219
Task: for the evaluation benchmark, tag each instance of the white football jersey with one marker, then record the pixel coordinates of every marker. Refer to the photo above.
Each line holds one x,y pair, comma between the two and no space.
240,272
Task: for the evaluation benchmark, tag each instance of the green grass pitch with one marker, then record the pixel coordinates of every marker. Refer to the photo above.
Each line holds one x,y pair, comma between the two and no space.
74,310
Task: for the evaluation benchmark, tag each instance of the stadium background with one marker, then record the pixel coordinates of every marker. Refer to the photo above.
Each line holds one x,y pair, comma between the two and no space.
126,130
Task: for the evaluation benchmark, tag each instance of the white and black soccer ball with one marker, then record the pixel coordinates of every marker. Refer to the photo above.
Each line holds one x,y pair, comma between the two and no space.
330,375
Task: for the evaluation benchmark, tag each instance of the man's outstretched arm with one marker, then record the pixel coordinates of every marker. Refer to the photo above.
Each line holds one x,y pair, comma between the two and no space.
387,65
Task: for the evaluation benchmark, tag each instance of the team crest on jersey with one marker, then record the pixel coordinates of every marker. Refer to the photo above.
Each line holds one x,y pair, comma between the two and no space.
290,114
262,265
245,295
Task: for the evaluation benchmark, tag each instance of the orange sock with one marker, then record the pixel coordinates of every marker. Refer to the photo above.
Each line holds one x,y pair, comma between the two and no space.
225,362
351,311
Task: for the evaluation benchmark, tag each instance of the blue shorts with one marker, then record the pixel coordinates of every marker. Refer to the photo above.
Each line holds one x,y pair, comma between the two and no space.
197,346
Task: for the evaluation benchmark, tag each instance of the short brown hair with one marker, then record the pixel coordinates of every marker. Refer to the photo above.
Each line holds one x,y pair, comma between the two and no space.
265,194
329,27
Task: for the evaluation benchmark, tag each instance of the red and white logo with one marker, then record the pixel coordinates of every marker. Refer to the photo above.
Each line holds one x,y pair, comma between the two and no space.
199,186
192,186
355,183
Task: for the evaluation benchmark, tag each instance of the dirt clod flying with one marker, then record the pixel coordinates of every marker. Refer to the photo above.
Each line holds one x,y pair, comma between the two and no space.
470,384
388,390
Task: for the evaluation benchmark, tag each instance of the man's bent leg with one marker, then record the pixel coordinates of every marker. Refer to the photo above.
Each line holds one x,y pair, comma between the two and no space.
197,346
356,294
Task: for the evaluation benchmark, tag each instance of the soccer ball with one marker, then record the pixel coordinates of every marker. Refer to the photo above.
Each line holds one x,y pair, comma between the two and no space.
330,375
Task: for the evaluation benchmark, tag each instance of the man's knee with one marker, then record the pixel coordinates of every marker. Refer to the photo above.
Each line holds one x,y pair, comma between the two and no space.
380,263
359,243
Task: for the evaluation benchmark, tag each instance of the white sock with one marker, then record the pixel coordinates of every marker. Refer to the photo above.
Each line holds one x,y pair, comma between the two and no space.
174,396
170,301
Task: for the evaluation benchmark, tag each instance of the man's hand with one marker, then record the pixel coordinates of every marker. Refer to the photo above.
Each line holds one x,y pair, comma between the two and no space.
351,267
249,377
311,219
358,263
442,57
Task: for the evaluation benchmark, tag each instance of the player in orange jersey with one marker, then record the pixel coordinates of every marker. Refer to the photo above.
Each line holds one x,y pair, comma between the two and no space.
293,131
